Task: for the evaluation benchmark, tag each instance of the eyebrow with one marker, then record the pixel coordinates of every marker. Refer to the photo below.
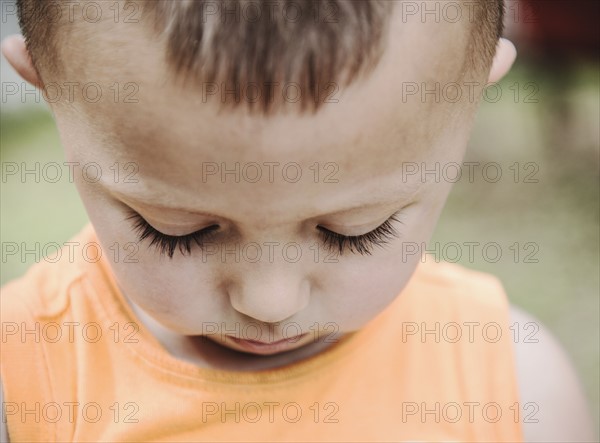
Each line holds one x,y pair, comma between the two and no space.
390,198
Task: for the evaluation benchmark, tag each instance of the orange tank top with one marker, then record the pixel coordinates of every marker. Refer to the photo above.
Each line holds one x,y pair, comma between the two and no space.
435,365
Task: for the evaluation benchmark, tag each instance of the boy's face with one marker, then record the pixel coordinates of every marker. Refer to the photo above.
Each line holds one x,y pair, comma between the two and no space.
266,273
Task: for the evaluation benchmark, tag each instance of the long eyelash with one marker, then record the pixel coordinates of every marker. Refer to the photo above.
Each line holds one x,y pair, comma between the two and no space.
362,244
166,244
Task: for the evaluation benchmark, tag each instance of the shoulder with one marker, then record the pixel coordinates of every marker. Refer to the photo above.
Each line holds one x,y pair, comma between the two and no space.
40,297
3,427
553,404
44,289
468,291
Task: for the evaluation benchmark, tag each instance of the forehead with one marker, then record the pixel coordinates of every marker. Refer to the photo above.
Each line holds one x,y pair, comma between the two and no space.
182,141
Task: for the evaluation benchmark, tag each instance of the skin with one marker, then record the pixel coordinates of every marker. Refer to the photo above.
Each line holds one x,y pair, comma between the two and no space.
171,135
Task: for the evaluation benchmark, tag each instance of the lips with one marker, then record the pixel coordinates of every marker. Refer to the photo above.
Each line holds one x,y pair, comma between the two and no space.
260,347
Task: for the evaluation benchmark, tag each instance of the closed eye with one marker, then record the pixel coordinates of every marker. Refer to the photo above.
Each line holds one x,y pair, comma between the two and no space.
361,244
356,244
166,244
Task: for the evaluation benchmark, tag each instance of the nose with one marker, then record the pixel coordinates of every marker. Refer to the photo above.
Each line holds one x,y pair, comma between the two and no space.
270,294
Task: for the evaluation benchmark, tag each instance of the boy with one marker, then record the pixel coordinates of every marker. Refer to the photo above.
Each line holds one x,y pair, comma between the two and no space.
252,207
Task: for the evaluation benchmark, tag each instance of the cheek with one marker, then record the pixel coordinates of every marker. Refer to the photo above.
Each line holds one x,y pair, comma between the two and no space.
360,289
372,287
181,293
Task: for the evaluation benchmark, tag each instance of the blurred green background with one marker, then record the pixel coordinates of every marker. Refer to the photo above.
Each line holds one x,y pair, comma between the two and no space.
555,129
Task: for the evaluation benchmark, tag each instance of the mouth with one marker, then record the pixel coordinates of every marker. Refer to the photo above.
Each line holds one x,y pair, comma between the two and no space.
267,348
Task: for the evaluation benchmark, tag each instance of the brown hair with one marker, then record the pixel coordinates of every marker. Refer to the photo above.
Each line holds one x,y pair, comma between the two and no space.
240,42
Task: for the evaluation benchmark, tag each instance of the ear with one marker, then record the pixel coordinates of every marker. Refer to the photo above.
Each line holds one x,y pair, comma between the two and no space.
15,51
506,53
